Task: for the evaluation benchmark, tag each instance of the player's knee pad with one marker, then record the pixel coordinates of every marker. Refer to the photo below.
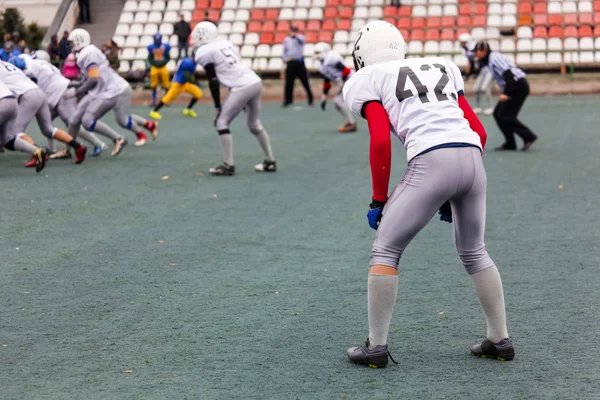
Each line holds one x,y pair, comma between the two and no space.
88,121
125,121
222,124
256,128
385,255
475,260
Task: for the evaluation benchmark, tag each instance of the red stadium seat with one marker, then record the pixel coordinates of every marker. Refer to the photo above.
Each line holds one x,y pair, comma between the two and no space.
480,9
464,21
313,25
346,12
268,26
597,6
541,19
405,33
403,23
417,23
216,4
555,19
214,15
525,9
283,26
328,25
280,37
404,11
390,11
481,1
433,22
597,31
540,32
266,38
330,12
460,32
272,14
257,15
254,26
390,20
570,31
585,31
480,21
333,3
417,34
348,3
432,34
447,34
198,15
201,4
301,25
570,19
540,8
311,37
555,32
344,25
465,1
586,19
465,9
597,18
326,37
448,22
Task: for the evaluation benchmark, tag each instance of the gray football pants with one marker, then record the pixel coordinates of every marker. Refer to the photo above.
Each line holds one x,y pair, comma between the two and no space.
67,107
8,116
247,99
33,103
456,174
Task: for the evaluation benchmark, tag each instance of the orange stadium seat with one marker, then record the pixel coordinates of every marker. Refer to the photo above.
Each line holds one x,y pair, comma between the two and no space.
266,38
325,36
328,25
257,15
346,12
403,23
447,34
432,34
585,31
301,25
540,8
417,23
480,21
417,34
597,6
597,31
272,14
463,21
448,22
390,11
333,3
541,19
201,4
586,19
540,32
525,8
330,12
480,9
460,32
216,4
254,26
570,31
283,26
344,24
433,22
404,11
348,3
280,37
313,25
268,27
555,32
555,19
311,37
465,9
198,15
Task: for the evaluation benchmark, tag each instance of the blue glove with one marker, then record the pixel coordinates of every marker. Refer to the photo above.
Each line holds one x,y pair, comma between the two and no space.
374,213
446,212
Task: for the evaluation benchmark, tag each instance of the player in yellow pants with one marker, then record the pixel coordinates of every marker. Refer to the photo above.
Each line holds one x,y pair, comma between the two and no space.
181,83
158,57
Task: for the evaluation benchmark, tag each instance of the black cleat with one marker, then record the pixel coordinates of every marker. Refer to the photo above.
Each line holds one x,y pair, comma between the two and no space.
374,358
502,351
266,166
223,170
40,155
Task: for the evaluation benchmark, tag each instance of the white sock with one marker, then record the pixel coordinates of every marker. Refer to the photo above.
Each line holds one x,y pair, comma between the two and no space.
24,146
89,137
382,291
265,145
488,286
227,148
51,145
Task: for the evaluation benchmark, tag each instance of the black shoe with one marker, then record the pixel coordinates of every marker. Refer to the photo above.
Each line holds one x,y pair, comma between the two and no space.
374,358
310,103
505,148
266,166
527,145
223,170
503,350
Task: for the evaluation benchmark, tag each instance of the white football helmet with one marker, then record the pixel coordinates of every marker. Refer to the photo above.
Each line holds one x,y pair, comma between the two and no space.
321,50
204,32
464,38
377,42
41,55
79,38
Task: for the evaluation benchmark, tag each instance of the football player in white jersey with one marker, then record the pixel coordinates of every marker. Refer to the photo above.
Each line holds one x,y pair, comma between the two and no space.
422,100
104,90
221,61
61,99
33,104
10,139
331,66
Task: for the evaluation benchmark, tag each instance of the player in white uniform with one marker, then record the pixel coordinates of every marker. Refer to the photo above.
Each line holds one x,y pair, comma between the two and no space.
221,62
9,138
33,104
422,99
61,99
331,66
483,83
104,90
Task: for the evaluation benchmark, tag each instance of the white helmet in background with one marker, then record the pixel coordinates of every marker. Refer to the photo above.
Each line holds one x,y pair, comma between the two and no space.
464,38
204,32
41,55
377,42
79,38
321,49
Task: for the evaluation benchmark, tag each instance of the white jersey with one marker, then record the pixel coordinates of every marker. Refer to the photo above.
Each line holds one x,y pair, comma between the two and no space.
329,66
420,97
110,84
5,91
230,71
49,79
15,79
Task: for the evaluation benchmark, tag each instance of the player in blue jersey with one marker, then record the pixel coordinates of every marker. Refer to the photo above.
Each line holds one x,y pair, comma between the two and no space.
158,57
183,81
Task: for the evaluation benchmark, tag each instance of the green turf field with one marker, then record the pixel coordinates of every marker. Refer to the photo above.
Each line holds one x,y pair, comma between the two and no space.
252,287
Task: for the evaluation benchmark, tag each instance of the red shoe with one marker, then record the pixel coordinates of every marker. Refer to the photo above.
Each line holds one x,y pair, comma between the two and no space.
80,154
152,126
142,139
33,162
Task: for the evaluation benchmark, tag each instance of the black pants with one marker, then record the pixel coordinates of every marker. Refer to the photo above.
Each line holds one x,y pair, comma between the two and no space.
506,113
84,12
296,69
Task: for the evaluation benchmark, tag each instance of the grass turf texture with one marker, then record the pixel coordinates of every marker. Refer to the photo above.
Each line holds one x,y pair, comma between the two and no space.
258,292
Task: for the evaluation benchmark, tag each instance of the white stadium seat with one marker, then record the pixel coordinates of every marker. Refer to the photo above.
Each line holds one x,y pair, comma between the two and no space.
510,57
375,12
144,5
141,53
597,43
379,3
128,54
446,47
555,44
419,11
122,30
509,9
158,5
571,44
132,41
434,11
286,14
261,4
171,17
340,48
173,52
586,57
494,20
141,17
341,37
263,50
247,50
155,17
119,40
554,8
150,29
419,2
236,39
460,61
126,18
130,5
166,29
222,36
523,59
275,64
145,41
571,57
431,47
507,45
274,3
233,4
597,56
554,58
358,23
509,21
450,10
524,45
439,2
188,5
492,33
494,44
174,5
309,49
246,4
172,66
315,13
238,27
251,38
224,27
494,8
228,15
276,50
569,7
361,12
585,7
524,32
415,47
288,4
361,3
303,4
478,34
136,29
318,3
539,44
586,43
123,67
301,13
138,65
247,62
242,15
538,58
259,64
173,40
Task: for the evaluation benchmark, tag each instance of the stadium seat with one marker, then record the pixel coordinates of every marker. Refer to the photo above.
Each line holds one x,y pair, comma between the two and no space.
286,14
492,33
509,21
569,31
119,40
122,30
224,27
259,64
586,19
142,53
188,5
288,4
251,39
597,31
450,10
158,5
448,22
275,64
130,5
432,35
555,44
340,48
447,34
257,15
276,50
446,47
283,26
268,26
247,51
138,65
538,58
267,38
525,9
238,27
540,20
554,8
374,12
554,58
571,57
341,37
431,47
141,17
146,41
419,11
494,20
540,32
246,4
586,57
523,59
569,7
166,29
171,17
155,17
126,18
315,13
524,32
361,12
328,25
460,61
478,34
301,13
507,45
274,3
132,41
144,5
524,45
263,50
313,26
434,11
228,15
585,31
417,35
123,67
433,22
463,21
230,4
326,37
136,29
150,29
415,48
417,23
495,8
128,54
236,39
242,15
357,24
509,9
555,32
586,43
571,44
174,5
311,37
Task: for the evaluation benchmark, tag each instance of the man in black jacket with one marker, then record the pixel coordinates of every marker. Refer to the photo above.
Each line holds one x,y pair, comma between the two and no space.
515,90
182,30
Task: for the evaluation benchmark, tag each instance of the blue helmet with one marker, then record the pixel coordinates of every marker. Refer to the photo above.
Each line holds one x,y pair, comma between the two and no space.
17,62
157,38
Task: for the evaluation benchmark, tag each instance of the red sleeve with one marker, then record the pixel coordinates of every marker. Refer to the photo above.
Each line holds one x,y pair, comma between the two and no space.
380,153
345,72
474,121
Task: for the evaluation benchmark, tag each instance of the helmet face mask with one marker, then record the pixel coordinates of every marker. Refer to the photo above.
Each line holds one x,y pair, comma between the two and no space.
78,39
